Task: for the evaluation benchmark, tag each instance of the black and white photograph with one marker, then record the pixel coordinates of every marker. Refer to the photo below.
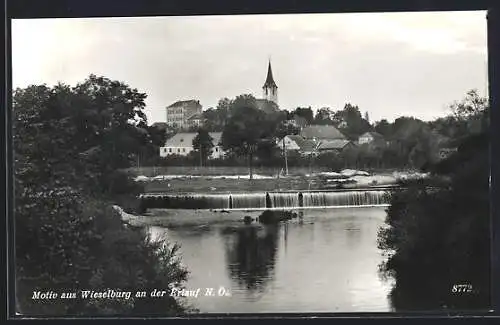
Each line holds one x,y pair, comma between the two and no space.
251,164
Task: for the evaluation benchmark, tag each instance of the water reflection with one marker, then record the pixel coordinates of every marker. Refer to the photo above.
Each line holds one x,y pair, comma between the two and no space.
326,262
251,255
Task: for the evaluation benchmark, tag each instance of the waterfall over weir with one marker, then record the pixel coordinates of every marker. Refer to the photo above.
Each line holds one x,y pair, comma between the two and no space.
269,200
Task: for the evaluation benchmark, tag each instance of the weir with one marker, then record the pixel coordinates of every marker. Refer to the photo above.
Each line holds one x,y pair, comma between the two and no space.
266,200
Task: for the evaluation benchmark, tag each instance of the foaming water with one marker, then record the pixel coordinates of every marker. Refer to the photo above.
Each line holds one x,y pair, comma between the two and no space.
267,200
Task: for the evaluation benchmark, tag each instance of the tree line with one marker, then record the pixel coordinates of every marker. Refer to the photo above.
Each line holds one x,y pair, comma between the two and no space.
249,136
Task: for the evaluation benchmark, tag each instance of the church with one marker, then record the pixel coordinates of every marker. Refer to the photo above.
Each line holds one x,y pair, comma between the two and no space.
269,100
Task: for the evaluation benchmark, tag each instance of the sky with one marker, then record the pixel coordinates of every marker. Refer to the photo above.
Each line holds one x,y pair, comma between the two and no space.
388,64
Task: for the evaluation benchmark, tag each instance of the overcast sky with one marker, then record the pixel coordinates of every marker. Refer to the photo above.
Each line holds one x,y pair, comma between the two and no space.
389,64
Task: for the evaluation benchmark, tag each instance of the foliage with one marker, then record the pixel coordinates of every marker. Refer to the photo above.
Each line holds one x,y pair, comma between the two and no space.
215,119
203,144
306,113
438,236
248,129
69,145
324,116
384,128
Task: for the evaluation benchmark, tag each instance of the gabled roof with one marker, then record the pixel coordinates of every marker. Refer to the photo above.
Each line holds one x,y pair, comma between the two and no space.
304,144
333,144
185,102
269,80
185,139
321,132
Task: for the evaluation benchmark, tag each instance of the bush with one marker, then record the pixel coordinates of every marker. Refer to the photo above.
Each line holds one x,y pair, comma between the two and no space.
439,237
68,144
83,245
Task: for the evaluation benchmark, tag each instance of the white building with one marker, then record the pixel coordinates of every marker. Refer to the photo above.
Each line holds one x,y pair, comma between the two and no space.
182,144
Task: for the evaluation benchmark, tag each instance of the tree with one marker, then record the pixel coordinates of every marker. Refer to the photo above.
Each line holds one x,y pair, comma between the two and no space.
68,142
438,231
469,107
203,144
246,129
306,113
350,122
323,116
384,128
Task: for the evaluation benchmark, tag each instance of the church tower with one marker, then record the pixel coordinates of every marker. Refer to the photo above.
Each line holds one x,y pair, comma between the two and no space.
270,90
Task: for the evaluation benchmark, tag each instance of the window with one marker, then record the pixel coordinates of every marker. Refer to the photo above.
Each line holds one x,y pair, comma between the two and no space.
169,149
164,149
183,149
178,150
216,149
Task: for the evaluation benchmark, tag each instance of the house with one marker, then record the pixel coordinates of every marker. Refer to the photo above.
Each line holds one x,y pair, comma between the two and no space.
371,137
308,147
321,132
296,143
179,112
289,142
336,146
182,144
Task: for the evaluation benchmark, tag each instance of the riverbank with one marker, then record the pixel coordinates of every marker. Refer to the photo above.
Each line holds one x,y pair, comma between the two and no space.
173,218
203,219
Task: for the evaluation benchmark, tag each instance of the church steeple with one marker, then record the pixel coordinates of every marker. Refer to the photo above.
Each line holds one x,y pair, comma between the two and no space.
270,89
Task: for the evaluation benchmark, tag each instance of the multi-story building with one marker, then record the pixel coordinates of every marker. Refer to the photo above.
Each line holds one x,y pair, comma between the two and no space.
180,113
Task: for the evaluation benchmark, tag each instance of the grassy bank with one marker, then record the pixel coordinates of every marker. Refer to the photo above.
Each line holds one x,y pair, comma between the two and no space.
216,171
208,184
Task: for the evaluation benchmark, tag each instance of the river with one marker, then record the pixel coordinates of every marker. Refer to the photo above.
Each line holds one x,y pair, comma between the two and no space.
327,262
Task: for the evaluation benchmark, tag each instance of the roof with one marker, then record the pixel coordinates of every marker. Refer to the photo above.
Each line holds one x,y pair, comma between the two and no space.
375,135
322,132
304,144
185,139
333,144
185,102
269,80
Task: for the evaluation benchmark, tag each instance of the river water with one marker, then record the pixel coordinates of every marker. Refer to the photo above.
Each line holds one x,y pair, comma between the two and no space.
327,262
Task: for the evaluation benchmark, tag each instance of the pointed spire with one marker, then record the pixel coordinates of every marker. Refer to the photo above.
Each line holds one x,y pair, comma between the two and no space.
269,80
